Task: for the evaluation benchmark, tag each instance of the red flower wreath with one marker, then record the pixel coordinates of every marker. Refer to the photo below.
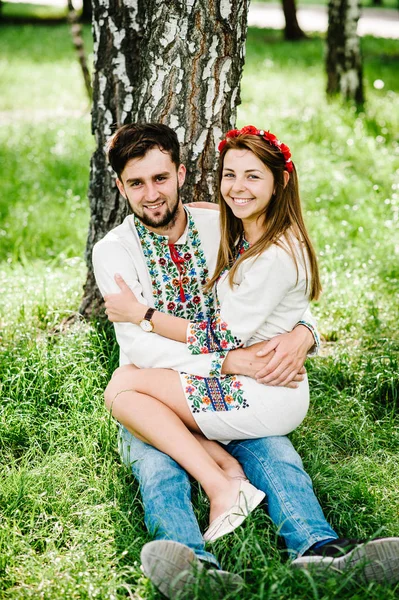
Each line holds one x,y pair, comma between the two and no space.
266,135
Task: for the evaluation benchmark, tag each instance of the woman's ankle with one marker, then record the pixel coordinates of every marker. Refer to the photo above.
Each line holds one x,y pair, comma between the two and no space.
233,469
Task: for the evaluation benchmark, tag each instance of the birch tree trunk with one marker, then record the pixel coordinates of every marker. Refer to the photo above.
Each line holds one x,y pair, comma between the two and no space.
178,62
344,59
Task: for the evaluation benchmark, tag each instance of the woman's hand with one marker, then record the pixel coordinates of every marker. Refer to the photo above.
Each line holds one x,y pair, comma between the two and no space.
124,307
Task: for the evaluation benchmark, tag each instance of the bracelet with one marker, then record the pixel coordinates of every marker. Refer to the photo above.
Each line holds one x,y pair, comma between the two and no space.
313,332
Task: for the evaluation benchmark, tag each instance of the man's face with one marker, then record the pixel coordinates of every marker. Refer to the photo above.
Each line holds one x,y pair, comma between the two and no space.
151,186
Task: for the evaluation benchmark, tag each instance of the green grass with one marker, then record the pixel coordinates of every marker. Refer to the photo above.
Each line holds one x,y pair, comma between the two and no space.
26,10
71,522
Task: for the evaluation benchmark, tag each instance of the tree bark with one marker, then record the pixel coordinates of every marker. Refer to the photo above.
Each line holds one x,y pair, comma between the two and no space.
86,11
292,31
344,59
178,62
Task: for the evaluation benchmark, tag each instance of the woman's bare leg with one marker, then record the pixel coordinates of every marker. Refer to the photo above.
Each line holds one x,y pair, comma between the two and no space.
226,462
151,404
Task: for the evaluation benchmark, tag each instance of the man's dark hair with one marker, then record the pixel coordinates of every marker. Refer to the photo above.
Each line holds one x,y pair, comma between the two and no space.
136,139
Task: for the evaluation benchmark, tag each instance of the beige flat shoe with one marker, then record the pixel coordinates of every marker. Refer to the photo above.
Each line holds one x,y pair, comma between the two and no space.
248,499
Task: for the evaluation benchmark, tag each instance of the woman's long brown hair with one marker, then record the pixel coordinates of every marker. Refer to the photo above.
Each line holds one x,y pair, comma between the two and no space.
282,218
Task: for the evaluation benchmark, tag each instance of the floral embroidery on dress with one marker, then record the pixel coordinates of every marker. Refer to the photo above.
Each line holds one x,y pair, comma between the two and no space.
214,394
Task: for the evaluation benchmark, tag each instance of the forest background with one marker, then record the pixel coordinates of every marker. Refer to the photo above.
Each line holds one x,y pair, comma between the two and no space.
71,520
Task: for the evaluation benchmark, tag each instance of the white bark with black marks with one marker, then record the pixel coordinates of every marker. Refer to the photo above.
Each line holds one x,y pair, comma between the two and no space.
344,59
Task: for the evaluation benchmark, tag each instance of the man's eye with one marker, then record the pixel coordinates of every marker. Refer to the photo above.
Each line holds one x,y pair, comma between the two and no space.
161,178
135,184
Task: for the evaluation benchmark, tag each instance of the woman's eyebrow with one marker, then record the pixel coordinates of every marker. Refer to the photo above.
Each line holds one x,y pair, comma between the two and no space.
247,170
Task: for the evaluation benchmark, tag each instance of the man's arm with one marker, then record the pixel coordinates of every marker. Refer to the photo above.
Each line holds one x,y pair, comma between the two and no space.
145,350
285,355
246,361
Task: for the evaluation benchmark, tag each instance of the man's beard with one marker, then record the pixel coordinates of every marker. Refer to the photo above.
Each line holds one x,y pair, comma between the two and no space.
168,219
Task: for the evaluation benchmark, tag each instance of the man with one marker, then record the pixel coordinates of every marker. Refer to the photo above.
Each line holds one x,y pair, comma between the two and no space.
165,253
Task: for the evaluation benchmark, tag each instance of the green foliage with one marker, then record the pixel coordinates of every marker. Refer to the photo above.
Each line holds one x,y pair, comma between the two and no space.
71,518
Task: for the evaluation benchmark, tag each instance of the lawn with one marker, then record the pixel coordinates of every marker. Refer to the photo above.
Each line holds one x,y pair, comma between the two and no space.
71,519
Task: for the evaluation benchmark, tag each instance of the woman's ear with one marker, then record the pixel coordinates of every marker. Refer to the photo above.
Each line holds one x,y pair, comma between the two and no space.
286,178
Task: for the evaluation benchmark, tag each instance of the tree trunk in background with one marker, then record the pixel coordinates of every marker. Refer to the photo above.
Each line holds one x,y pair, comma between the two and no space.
344,59
86,11
77,39
178,63
292,30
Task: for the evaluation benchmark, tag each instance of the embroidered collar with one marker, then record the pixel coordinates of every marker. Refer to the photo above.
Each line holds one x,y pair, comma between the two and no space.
143,231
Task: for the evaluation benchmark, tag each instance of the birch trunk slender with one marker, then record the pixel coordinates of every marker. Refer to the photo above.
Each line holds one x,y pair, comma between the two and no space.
178,62
344,59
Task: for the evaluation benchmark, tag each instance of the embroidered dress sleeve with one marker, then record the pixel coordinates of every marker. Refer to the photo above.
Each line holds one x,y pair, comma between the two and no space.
246,307
143,349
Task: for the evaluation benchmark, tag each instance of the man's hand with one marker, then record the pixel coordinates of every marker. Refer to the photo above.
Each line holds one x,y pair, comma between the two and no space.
123,307
287,354
245,361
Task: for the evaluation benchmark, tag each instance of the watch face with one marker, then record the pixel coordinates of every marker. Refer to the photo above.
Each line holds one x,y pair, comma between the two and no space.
146,325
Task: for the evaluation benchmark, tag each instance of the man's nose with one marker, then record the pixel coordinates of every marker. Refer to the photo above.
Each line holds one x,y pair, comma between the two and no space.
152,192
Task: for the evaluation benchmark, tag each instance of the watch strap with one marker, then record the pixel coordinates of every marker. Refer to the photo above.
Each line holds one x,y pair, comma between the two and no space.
148,314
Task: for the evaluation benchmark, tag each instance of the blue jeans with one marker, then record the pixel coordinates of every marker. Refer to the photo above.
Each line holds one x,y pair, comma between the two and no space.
271,464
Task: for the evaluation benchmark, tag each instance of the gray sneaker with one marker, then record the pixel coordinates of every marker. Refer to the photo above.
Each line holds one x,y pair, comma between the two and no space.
175,570
377,560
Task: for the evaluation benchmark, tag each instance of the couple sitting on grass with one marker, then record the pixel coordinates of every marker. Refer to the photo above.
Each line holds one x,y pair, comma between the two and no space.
211,312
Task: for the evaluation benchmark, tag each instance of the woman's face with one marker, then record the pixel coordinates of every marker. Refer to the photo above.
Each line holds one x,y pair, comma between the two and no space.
247,184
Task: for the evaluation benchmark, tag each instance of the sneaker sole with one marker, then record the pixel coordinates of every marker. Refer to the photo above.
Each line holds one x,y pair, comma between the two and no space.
174,569
169,565
378,561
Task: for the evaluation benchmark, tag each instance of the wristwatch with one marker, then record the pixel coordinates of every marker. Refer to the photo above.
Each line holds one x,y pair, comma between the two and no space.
146,324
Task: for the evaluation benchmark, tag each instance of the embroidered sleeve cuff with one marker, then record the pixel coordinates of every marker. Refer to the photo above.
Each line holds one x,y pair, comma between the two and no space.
212,335
314,350
217,364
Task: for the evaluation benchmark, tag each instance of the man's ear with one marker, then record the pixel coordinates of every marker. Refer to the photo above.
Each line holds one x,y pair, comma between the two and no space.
286,178
181,175
121,188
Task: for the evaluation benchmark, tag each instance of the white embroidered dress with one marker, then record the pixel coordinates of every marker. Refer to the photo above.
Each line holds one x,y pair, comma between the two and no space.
268,298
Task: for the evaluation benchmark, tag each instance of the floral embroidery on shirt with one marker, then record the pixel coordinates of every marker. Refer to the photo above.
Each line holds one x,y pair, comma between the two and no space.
214,394
168,284
214,334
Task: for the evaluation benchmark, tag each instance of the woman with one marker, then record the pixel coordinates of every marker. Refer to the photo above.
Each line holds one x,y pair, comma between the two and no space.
265,275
